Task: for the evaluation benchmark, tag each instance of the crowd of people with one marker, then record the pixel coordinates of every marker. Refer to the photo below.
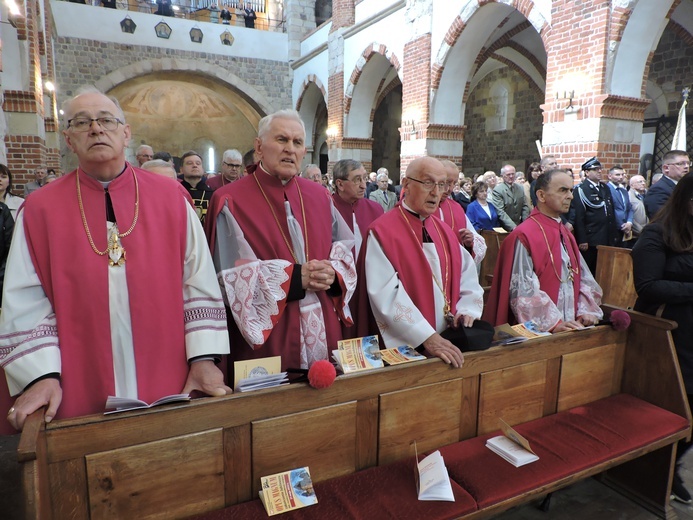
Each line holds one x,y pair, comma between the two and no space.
269,258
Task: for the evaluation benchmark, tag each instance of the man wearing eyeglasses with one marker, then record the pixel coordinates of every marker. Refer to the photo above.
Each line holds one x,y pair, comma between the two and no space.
77,324
675,165
231,170
420,281
143,154
358,212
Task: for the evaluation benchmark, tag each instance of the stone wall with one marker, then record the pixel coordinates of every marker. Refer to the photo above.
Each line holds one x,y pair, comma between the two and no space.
671,68
488,150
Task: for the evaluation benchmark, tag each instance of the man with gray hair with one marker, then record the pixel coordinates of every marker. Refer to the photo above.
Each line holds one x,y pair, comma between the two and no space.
161,167
382,195
75,326
350,187
312,173
509,199
282,253
231,170
143,154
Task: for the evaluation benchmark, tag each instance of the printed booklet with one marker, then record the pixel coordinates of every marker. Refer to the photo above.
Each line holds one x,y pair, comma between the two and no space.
287,491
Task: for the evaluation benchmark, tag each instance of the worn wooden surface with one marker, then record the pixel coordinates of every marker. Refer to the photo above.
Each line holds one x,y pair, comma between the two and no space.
361,420
488,264
615,276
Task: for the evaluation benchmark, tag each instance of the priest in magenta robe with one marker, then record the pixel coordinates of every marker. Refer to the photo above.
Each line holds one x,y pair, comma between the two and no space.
110,287
540,275
282,253
420,281
452,213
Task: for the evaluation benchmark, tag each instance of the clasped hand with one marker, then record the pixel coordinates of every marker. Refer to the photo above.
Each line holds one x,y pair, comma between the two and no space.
317,275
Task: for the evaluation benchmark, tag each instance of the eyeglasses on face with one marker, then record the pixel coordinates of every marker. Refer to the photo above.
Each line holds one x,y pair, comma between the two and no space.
232,165
83,124
358,179
429,184
681,164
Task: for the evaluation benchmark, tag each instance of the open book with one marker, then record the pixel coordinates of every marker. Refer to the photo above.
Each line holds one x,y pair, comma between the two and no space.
433,481
357,354
512,446
122,404
254,374
287,491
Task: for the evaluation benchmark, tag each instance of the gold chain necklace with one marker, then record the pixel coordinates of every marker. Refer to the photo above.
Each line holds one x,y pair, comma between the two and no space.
446,306
571,271
276,220
115,250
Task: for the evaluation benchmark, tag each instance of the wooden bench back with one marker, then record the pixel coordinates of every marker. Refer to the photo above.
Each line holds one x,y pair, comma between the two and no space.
615,276
488,264
190,458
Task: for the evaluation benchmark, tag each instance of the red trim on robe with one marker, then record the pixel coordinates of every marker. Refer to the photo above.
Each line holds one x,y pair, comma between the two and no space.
78,290
497,309
249,208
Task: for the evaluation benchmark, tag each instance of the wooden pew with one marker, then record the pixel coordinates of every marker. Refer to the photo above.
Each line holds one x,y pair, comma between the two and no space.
615,276
488,264
187,459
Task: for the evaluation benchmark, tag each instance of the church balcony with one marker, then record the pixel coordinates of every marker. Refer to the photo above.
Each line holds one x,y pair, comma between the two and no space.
189,30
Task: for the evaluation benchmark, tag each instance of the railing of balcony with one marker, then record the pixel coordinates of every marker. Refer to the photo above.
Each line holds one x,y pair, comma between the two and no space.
202,11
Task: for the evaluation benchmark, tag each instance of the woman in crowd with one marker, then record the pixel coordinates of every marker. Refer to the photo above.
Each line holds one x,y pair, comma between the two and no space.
533,172
464,195
482,213
663,277
6,196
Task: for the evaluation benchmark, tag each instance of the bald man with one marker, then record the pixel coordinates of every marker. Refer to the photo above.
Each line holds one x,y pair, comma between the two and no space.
636,194
453,215
420,281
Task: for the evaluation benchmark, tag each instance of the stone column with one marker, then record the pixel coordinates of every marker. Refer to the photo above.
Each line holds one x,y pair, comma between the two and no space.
300,20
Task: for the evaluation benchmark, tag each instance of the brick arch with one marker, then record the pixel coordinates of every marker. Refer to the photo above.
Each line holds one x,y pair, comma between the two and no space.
636,33
359,122
368,53
307,106
440,107
141,68
310,78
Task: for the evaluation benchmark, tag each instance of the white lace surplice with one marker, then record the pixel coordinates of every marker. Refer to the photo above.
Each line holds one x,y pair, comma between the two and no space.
253,289
529,302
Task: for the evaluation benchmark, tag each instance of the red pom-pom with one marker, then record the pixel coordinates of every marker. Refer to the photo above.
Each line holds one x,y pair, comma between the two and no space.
620,320
321,374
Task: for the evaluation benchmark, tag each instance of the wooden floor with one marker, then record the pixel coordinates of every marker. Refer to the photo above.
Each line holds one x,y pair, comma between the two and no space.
588,499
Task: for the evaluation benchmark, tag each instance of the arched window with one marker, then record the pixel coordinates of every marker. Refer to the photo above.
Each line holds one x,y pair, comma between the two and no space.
498,107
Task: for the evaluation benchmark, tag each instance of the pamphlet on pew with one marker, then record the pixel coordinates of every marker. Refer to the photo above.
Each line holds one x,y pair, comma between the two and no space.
357,354
512,446
254,374
287,491
123,404
433,481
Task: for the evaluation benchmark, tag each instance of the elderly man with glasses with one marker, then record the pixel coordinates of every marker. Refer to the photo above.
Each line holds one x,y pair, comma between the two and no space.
231,170
592,214
100,298
675,165
420,281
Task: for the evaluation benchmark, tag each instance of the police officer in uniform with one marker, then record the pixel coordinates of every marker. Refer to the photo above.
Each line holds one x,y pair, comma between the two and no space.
592,213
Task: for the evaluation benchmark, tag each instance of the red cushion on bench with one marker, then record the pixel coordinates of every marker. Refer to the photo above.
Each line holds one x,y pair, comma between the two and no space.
566,442
382,492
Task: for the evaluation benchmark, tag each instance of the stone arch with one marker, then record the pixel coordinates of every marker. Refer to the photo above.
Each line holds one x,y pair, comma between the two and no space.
375,71
641,24
462,53
255,98
312,106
